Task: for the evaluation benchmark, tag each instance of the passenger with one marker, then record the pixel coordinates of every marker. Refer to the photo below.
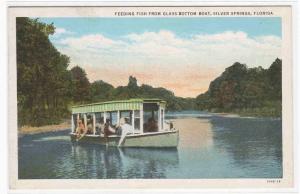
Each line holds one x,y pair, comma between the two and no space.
84,131
100,126
108,130
90,128
80,127
118,126
151,125
125,129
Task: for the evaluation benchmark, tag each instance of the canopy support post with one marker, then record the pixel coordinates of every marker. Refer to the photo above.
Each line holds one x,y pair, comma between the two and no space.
94,123
85,121
118,118
72,120
104,117
141,119
132,120
159,119
163,118
77,120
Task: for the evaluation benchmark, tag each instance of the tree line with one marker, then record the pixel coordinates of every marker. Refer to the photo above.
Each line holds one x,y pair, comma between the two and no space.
248,91
46,88
99,91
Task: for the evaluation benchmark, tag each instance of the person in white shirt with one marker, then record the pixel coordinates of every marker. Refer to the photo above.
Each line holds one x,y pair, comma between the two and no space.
125,129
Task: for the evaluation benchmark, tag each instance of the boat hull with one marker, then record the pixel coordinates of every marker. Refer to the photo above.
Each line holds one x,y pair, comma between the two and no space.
155,139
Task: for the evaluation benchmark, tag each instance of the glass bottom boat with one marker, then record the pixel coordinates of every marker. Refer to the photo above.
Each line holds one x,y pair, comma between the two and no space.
101,123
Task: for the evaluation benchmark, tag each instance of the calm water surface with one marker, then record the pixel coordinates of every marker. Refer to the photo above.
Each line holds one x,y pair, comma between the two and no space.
210,147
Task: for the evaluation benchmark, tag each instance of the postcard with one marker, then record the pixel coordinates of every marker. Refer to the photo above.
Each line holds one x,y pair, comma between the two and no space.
138,97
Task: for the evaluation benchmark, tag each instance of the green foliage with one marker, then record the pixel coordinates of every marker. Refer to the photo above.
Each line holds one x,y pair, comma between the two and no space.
274,76
80,85
102,91
249,91
43,81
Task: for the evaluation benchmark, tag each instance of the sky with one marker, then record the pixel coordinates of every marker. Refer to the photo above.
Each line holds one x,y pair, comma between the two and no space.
181,54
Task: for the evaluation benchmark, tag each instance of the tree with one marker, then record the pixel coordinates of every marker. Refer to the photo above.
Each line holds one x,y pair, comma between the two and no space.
132,87
274,76
80,85
42,76
101,91
132,82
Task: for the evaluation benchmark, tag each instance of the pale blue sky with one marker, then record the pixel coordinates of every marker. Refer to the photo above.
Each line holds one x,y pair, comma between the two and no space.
183,27
181,54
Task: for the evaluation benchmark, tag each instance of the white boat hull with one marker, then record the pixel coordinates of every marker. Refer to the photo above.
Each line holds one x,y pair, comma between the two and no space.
153,139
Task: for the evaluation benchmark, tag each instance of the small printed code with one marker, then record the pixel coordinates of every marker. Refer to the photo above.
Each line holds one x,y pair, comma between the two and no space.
273,181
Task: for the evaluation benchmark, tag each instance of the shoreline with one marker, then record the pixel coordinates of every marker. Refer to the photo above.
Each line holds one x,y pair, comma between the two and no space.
24,130
242,115
224,114
229,114
236,115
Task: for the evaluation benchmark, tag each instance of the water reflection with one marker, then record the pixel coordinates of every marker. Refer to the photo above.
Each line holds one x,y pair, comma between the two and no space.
194,132
66,160
251,143
149,163
111,162
209,147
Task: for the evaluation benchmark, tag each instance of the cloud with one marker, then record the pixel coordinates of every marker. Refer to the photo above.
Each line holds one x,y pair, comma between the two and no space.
92,43
61,31
167,60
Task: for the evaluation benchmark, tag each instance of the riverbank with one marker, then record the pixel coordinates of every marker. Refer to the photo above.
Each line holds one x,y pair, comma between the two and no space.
262,112
46,128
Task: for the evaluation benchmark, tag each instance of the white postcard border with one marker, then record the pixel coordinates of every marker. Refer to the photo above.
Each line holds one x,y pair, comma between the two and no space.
288,170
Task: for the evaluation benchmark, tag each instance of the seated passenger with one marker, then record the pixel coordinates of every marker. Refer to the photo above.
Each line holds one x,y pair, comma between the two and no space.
80,128
151,125
108,130
100,126
90,128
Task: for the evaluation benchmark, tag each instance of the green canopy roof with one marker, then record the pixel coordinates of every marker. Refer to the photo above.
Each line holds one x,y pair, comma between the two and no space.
131,104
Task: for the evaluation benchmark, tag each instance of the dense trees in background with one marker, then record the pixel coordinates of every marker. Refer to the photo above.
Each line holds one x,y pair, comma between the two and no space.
132,90
101,91
47,89
253,91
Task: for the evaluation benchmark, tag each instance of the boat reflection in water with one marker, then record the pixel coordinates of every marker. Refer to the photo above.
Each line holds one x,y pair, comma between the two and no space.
113,162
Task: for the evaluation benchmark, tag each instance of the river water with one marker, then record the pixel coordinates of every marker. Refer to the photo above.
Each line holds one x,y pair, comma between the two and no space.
210,146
